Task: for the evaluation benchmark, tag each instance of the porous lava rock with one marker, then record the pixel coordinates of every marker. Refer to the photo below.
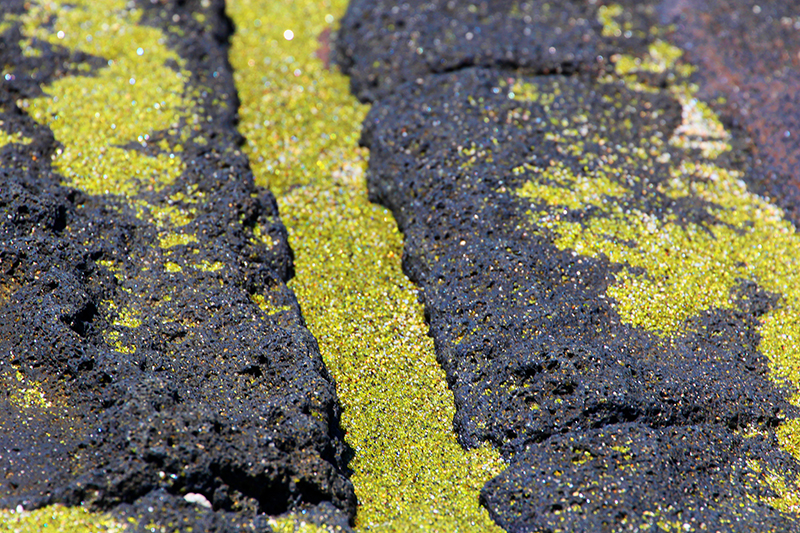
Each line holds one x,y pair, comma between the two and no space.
383,44
603,475
205,392
606,426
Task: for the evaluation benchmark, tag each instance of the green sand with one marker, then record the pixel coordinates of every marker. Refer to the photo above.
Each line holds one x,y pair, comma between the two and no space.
302,127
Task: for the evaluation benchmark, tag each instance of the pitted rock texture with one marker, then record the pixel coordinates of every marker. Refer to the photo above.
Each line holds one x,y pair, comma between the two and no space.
607,426
612,474
204,390
383,44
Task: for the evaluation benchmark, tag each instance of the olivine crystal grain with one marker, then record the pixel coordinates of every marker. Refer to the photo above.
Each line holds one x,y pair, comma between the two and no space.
302,127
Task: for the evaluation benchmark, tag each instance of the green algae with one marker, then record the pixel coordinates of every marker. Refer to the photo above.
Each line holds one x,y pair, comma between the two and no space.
302,128
59,519
134,96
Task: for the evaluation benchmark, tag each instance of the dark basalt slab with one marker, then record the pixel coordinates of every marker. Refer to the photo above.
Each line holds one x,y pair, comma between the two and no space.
211,395
606,426
383,44
606,479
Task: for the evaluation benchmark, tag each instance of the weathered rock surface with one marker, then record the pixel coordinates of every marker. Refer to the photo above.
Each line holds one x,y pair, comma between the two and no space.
383,44
749,55
138,371
602,288
534,207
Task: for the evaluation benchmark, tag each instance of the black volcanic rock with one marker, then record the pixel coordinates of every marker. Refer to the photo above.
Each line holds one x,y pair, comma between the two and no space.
204,393
383,44
606,426
615,477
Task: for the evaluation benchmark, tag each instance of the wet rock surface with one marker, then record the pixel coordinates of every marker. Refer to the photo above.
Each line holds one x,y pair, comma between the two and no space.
168,378
612,416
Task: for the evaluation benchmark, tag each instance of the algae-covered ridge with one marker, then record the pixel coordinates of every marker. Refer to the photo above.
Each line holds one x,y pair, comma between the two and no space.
128,114
672,269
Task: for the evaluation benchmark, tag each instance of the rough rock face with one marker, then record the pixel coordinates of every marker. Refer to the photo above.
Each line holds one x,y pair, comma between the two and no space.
749,56
601,286
402,42
150,346
625,475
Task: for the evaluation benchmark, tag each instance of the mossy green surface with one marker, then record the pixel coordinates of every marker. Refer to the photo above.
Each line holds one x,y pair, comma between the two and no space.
58,519
302,126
